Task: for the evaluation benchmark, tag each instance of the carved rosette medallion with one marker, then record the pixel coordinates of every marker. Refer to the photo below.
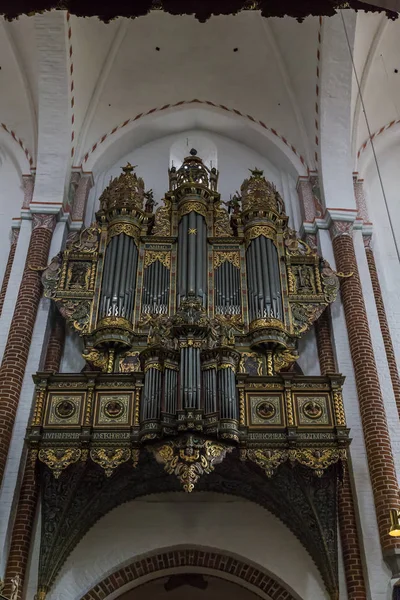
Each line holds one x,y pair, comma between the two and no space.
190,457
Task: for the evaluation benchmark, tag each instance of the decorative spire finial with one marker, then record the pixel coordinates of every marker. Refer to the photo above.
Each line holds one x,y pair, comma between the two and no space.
129,168
256,172
193,152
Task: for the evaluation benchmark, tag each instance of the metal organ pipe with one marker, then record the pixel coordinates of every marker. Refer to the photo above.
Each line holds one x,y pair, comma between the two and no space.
119,277
264,287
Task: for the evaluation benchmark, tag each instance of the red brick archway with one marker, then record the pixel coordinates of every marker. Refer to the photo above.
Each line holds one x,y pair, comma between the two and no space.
189,558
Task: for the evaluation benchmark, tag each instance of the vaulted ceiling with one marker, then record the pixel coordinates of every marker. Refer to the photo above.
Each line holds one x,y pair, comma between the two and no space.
265,69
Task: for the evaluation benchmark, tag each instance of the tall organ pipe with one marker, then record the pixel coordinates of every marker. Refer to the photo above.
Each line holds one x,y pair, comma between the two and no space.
192,257
119,278
264,287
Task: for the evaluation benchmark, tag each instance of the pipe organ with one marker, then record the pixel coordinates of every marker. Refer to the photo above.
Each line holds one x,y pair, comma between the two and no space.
187,293
190,317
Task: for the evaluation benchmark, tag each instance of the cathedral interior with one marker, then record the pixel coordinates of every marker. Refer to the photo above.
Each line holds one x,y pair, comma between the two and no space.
199,316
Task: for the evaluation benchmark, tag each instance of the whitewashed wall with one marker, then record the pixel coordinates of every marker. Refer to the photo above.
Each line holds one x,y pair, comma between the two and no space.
165,521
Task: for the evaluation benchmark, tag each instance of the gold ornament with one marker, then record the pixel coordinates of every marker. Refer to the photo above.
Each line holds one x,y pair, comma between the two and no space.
268,460
191,206
162,219
221,257
58,459
190,457
222,227
284,359
339,409
151,256
128,229
125,192
254,232
317,459
110,458
97,358
259,194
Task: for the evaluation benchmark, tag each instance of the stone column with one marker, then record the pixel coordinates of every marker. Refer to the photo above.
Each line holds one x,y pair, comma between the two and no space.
372,409
347,517
55,344
25,517
15,356
7,272
324,343
383,323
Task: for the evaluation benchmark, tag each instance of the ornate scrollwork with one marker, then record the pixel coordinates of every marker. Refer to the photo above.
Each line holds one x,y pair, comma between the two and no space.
128,229
110,458
162,219
317,459
222,227
77,312
230,256
191,206
88,241
151,256
284,359
268,460
190,457
260,194
256,230
124,192
58,459
97,358
304,314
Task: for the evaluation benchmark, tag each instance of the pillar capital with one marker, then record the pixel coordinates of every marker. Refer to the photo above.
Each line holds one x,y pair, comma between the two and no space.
341,228
43,221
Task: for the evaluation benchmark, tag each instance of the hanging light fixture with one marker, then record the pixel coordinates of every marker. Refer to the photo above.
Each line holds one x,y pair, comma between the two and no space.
394,523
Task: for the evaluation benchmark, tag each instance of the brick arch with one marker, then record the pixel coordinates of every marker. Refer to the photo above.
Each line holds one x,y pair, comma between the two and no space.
155,564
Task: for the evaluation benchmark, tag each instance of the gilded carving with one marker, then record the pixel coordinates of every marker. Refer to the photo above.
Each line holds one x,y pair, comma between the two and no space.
78,275
191,206
283,359
162,219
123,192
97,358
222,227
317,459
151,256
129,362
254,232
339,408
88,241
77,312
190,457
110,458
259,194
128,229
58,459
230,256
251,363
268,460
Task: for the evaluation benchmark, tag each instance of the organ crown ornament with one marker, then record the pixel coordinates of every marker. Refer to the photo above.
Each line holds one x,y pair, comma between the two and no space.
123,194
